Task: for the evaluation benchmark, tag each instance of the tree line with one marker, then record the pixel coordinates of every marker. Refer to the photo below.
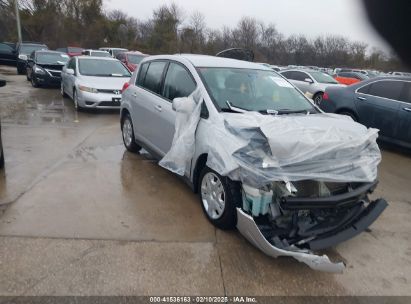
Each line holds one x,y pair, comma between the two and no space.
170,30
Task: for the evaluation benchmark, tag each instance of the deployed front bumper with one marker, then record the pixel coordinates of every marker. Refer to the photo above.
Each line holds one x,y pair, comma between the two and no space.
249,229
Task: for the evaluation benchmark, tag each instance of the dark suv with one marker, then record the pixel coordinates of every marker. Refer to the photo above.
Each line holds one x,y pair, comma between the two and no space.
23,50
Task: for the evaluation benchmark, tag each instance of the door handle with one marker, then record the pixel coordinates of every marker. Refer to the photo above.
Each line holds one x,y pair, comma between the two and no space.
134,94
407,109
159,108
361,98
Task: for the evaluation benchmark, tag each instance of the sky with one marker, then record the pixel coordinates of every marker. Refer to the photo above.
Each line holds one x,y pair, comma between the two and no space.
309,17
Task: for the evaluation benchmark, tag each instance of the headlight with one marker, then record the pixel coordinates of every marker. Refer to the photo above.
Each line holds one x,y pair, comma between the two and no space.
38,70
87,89
23,57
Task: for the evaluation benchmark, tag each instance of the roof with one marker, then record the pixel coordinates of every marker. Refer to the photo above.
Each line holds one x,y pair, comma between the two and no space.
49,51
213,61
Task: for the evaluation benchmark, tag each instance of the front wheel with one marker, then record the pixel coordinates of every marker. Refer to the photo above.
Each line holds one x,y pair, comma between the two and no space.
128,135
219,198
34,82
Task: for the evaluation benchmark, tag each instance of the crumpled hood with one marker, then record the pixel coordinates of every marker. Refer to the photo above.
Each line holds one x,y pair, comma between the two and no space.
298,147
106,83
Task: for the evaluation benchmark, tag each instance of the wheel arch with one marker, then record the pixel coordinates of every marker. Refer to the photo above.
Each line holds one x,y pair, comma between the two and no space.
200,164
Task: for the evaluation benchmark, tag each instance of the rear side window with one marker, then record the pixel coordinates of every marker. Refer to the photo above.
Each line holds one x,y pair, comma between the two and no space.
287,75
387,89
142,74
365,89
178,82
154,75
300,76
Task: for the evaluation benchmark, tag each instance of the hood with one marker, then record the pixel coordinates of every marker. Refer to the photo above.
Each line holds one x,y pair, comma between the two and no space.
106,83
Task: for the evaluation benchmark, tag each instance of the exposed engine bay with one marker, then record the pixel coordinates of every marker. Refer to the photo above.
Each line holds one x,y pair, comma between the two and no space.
311,215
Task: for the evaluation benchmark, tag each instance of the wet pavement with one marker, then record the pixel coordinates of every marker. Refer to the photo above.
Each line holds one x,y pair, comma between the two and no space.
84,217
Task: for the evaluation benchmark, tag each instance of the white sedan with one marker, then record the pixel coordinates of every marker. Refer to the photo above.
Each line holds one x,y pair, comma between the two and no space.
94,82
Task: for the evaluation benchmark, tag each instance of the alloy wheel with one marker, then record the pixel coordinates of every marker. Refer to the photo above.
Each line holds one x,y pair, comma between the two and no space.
213,195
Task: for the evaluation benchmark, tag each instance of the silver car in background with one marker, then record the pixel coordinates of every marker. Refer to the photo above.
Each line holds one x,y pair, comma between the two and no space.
113,51
94,82
312,82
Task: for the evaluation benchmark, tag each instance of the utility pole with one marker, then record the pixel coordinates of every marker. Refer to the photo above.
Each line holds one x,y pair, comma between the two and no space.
16,6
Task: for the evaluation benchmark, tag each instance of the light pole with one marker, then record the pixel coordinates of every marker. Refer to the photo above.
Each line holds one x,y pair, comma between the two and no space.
16,6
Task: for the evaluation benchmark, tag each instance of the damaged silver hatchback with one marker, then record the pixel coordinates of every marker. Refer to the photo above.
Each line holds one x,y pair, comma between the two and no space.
262,157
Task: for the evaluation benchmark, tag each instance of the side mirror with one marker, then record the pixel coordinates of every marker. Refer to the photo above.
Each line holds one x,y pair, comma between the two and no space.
2,83
308,80
184,105
70,71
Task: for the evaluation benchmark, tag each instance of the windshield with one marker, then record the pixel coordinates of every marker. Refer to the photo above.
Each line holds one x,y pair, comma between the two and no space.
52,58
253,90
322,77
118,51
75,50
135,59
100,54
28,49
101,67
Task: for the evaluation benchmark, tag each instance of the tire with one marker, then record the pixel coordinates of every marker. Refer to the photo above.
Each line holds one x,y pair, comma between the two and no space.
63,94
225,193
34,82
318,98
348,113
1,159
127,132
77,107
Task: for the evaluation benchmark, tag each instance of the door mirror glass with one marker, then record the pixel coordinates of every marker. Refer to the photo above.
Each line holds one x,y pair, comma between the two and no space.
184,105
70,71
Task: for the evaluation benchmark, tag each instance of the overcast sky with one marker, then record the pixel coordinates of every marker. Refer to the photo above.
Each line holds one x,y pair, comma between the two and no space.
308,17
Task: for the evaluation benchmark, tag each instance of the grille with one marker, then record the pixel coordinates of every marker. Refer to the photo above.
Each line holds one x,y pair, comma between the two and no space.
54,73
115,92
109,104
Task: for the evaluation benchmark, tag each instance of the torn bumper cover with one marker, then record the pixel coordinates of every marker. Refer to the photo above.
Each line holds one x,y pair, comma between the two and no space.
249,229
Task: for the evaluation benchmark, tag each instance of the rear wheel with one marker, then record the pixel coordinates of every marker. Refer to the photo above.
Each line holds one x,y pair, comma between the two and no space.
219,198
318,98
348,113
128,134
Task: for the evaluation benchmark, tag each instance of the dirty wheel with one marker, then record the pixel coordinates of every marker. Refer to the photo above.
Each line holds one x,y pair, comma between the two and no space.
1,159
318,98
219,198
128,134
77,107
34,82
62,90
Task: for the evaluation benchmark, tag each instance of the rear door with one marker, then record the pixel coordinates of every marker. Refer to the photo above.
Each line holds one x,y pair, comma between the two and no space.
7,54
178,82
404,115
377,105
147,103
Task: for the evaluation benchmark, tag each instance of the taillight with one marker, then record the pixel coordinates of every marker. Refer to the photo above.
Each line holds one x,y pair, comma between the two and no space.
125,87
326,97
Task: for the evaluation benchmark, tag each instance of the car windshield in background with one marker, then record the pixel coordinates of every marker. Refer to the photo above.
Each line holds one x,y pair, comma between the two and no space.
116,52
52,58
102,68
253,90
100,54
74,50
323,78
135,59
28,49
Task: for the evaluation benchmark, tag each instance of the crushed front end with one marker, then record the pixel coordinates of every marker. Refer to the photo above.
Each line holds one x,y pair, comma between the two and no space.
294,219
